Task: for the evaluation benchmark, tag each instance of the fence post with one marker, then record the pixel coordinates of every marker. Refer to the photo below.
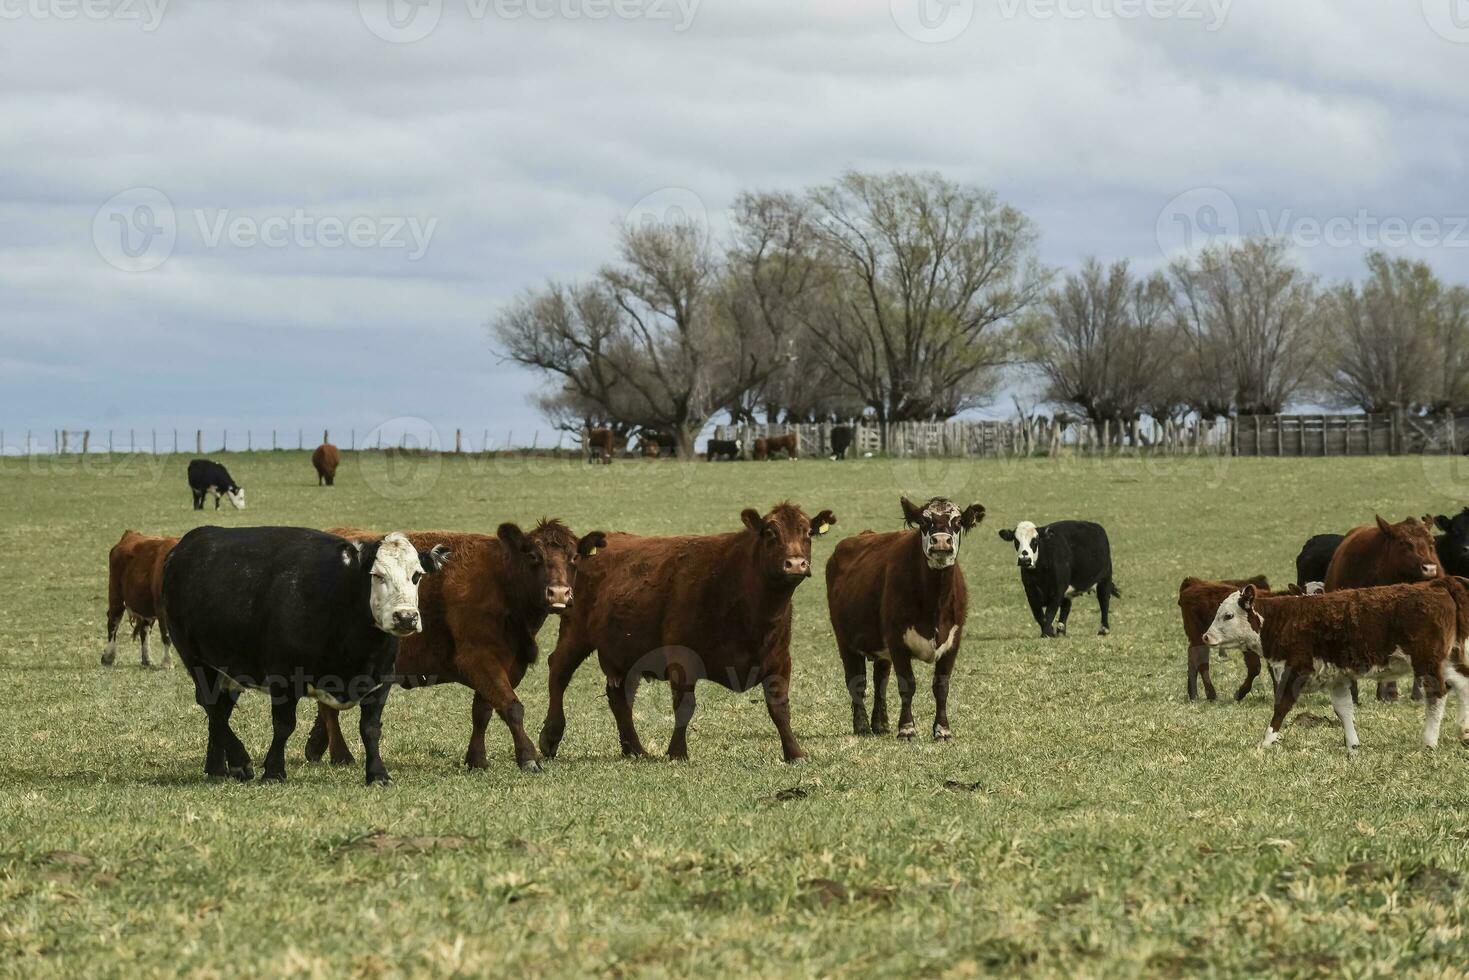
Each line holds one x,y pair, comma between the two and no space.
326,435
199,441
458,441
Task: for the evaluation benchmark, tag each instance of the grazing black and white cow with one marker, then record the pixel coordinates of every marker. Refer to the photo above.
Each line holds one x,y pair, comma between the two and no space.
1059,562
1453,545
841,441
296,613
206,475
1315,558
730,449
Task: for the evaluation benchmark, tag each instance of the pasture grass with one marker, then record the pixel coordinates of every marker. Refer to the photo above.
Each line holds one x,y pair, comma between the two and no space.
1086,821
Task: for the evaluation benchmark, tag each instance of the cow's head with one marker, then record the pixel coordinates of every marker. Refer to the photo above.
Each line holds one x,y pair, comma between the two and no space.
1410,556
1027,539
396,568
236,496
1236,623
940,524
544,561
1455,540
783,540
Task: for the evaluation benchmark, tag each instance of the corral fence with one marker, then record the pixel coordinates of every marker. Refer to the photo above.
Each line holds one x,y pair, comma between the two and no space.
1379,434
199,442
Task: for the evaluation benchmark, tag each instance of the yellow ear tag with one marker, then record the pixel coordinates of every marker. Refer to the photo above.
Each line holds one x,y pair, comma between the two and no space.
592,552
822,528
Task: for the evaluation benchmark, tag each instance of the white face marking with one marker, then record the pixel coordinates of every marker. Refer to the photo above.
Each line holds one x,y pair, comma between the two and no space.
1027,544
394,595
237,497
1315,588
940,526
1231,626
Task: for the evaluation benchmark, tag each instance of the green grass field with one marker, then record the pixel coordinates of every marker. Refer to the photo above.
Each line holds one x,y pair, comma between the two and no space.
1086,820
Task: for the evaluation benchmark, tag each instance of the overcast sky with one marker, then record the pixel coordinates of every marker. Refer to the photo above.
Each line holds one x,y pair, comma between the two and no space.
301,214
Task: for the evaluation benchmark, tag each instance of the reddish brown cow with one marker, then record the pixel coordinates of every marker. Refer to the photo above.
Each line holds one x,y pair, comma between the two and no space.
1333,639
687,609
761,449
1387,554
1198,600
325,459
135,586
480,617
788,444
600,444
895,597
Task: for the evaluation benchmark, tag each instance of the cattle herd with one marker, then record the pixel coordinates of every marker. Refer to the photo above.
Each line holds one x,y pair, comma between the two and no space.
601,445
342,616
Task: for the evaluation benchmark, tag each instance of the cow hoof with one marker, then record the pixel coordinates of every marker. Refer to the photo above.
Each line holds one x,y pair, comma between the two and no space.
242,774
1103,631
1061,630
941,733
799,759
108,658
273,777
861,728
548,746
907,732
342,760
880,728
532,765
380,780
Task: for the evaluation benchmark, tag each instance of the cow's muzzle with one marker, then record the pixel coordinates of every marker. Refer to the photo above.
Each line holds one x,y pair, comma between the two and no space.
558,597
405,622
1212,639
1430,571
1025,562
798,567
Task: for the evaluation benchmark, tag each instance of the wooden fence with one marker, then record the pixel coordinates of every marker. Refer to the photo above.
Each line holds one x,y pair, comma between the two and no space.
1384,434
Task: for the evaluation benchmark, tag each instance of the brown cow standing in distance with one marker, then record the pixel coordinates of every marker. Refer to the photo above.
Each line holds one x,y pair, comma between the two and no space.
135,586
325,459
897,596
1386,554
480,617
789,444
691,608
761,448
1198,600
600,443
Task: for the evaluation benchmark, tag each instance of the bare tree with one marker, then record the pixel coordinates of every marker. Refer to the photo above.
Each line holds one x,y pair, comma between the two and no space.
927,278
1103,340
1451,347
1247,313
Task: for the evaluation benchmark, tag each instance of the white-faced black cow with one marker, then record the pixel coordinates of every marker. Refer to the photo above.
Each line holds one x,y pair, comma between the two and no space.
296,613
898,597
730,449
205,475
841,441
1059,562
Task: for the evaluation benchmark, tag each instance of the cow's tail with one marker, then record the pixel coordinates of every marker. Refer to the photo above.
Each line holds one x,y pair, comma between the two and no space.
1459,588
1116,592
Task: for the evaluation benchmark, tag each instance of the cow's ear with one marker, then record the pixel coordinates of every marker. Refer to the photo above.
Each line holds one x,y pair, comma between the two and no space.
590,542
434,559
1247,598
512,535
752,519
971,517
1006,534
1383,526
1427,520
1295,589
911,512
1442,522
822,522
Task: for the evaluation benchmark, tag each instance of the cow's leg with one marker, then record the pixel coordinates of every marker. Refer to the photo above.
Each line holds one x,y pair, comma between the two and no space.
1341,700
282,724
1460,683
854,666
216,500
326,738
1417,693
143,631
1049,615
1252,671
1291,683
1104,603
478,668
1037,606
881,670
1198,669
903,667
620,698
226,756
1387,690
1433,706
681,688
370,726
568,655
115,609
1064,614
198,499
943,671
778,704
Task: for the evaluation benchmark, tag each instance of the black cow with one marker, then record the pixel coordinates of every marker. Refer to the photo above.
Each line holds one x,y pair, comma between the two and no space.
295,613
1315,558
841,441
730,449
1060,561
1453,545
206,475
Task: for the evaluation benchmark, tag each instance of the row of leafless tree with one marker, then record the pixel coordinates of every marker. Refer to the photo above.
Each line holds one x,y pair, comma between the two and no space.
907,296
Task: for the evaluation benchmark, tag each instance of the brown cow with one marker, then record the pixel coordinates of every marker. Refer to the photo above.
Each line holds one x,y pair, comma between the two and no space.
789,444
135,586
1387,554
1337,637
1198,600
898,596
761,448
600,443
480,617
715,607
325,459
